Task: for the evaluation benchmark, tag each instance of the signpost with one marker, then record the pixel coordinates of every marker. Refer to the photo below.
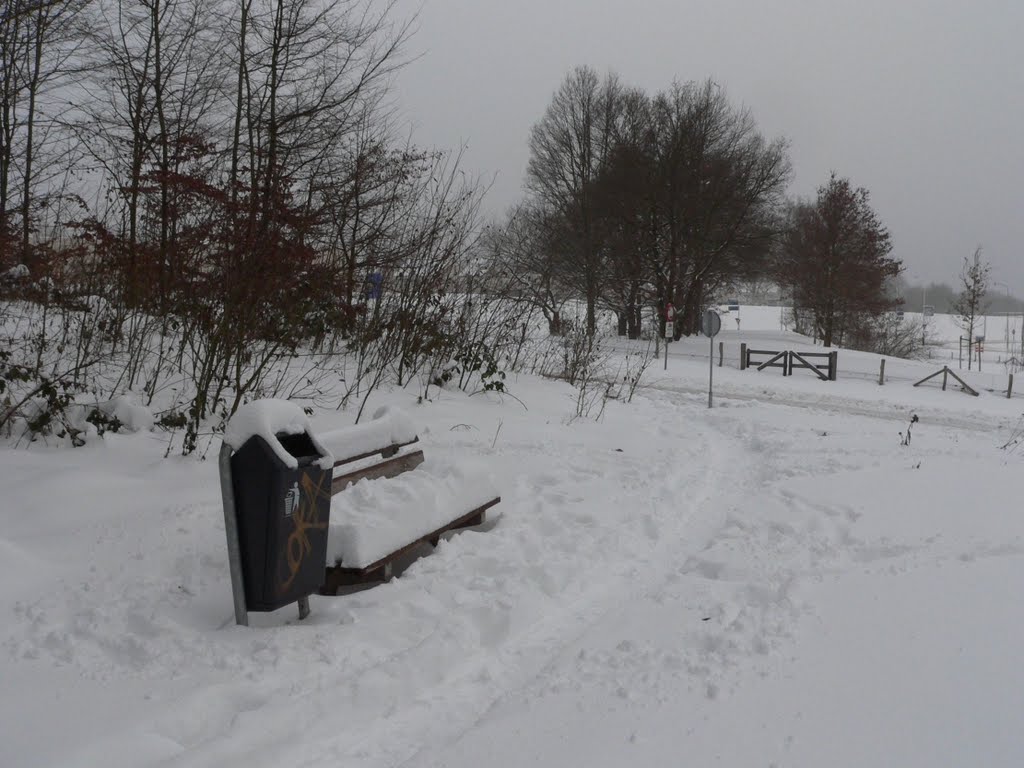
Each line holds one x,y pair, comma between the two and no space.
710,325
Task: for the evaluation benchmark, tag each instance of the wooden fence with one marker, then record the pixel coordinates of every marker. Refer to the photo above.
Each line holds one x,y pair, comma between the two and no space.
789,360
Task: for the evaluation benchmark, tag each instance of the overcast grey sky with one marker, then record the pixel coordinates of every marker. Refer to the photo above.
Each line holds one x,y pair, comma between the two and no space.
919,101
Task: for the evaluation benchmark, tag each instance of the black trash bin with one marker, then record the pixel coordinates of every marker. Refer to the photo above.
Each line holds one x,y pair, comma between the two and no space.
283,514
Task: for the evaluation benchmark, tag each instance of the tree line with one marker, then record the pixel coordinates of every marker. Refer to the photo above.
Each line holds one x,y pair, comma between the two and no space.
214,190
210,188
636,201
187,146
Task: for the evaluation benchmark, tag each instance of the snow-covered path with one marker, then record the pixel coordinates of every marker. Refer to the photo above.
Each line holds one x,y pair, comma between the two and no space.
774,580
785,638
140,596
531,589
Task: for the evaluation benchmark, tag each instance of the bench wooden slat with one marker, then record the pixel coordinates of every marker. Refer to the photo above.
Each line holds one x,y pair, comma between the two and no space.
387,468
338,575
386,452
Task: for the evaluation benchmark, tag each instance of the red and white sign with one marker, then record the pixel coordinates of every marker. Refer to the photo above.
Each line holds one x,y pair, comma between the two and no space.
670,320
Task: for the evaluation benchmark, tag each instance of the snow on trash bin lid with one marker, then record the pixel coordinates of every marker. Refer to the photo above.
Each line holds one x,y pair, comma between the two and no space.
269,418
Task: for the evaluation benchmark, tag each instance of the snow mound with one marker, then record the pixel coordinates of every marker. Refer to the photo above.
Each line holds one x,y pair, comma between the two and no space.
374,518
17,272
271,417
124,408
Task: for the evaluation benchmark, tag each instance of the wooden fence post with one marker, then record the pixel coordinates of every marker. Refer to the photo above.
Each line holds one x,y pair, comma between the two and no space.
945,375
833,366
1009,388
721,352
743,356
881,373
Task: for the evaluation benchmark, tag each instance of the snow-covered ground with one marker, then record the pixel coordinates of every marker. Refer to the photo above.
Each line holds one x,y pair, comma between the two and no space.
774,581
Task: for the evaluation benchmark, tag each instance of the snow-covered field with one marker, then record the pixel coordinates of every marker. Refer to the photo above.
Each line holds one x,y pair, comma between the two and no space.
774,581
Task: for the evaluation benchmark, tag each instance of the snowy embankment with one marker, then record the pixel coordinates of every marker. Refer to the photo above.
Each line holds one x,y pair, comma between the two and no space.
775,580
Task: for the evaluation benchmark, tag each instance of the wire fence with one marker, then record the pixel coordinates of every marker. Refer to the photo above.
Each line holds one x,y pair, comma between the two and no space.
898,370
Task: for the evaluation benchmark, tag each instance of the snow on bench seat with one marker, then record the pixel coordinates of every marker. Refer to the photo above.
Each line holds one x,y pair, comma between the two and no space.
375,518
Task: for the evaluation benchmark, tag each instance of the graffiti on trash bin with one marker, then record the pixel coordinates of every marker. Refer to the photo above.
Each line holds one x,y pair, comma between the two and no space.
305,517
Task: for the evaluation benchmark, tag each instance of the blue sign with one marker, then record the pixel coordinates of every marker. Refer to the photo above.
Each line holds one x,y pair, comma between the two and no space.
373,285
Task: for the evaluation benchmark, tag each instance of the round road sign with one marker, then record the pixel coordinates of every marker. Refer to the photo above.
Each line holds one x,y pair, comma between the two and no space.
710,323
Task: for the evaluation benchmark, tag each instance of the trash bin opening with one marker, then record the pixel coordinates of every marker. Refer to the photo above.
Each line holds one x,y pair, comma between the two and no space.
300,446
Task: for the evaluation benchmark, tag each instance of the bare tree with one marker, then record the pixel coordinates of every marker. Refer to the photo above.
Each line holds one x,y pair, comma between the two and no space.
720,187
525,261
835,258
568,150
971,305
626,200
307,72
365,194
13,47
39,43
245,183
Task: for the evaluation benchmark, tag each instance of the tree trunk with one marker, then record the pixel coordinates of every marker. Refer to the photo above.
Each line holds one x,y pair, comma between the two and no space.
275,75
10,87
690,316
828,330
164,159
135,175
591,304
633,321
30,121
236,133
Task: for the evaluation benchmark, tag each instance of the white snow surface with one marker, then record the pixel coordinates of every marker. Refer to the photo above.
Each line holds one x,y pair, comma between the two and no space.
776,581
374,518
269,418
127,410
389,426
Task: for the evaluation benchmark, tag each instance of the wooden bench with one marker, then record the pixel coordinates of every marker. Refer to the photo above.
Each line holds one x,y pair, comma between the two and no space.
391,459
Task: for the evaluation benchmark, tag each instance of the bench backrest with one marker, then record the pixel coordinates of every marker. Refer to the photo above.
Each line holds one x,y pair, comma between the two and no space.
392,465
